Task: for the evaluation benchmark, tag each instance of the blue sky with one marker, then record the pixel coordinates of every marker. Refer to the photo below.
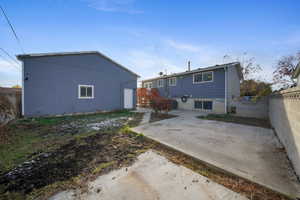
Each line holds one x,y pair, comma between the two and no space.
149,36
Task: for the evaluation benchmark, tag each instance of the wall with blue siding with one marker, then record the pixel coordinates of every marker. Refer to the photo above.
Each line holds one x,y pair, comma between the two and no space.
185,86
52,85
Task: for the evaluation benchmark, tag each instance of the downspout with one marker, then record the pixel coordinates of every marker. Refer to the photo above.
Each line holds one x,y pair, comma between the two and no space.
225,68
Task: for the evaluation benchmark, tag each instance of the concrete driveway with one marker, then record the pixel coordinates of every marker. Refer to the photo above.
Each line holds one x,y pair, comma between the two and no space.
247,151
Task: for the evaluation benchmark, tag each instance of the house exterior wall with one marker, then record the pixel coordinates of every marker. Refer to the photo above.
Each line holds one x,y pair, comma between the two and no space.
233,85
185,86
52,85
212,91
218,104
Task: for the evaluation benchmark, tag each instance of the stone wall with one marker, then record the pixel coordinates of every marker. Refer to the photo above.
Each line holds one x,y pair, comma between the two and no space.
284,114
10,104
248,108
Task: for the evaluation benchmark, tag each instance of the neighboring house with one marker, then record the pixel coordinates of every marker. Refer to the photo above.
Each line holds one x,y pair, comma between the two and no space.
206,89
296,74
75,82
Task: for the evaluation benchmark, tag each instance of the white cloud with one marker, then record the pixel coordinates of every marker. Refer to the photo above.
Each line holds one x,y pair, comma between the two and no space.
149,65
125,6
182,46
172,56
200,55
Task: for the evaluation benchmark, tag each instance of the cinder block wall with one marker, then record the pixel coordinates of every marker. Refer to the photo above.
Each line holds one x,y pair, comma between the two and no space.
284,114
245,108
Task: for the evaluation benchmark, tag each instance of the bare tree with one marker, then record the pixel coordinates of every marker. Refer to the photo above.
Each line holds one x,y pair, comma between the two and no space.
250,68
285,67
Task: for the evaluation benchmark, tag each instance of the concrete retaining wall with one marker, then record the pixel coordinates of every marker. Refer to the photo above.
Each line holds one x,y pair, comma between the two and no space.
10,104
248,108
284,114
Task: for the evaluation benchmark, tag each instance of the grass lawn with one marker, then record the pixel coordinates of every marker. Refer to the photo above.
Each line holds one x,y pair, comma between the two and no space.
239,120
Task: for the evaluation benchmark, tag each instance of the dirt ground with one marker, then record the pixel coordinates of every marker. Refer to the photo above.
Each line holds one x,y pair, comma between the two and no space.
46,155
56,152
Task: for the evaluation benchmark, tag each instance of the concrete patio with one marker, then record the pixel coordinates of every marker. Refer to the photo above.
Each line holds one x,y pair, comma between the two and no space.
250,152
152,177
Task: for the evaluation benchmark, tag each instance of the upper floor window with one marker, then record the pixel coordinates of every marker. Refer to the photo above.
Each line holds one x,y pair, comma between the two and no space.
148,85
203,77
160,83
172,81
85,91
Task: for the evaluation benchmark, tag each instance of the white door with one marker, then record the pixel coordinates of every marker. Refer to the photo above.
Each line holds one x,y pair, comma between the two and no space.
128,98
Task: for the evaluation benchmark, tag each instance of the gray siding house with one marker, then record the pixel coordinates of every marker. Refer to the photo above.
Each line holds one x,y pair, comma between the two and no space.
75,82
209,89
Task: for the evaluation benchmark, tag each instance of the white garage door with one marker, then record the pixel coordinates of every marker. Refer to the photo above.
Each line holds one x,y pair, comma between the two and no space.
128,98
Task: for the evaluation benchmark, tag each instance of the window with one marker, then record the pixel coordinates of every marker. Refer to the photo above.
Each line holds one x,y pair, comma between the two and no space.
198,104
160,83
148,85
85,91
203,77
207,76
207,105
172,81
198,78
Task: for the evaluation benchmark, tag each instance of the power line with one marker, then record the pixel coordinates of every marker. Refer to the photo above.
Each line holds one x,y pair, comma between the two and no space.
12,64
12,28
11,57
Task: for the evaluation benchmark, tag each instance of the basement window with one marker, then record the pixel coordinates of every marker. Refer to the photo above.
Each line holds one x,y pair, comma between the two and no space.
85,91
203,105
198,104
207,105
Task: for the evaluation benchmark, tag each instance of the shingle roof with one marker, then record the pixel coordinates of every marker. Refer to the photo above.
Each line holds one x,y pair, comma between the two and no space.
232,64
22,56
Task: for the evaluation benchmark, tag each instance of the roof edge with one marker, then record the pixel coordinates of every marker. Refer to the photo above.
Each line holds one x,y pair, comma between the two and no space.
22,56
236,64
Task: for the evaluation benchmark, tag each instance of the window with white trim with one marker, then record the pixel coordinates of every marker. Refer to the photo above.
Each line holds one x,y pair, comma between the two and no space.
148,85
203,105
203,77
207,105
160,83
85,91
172,81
